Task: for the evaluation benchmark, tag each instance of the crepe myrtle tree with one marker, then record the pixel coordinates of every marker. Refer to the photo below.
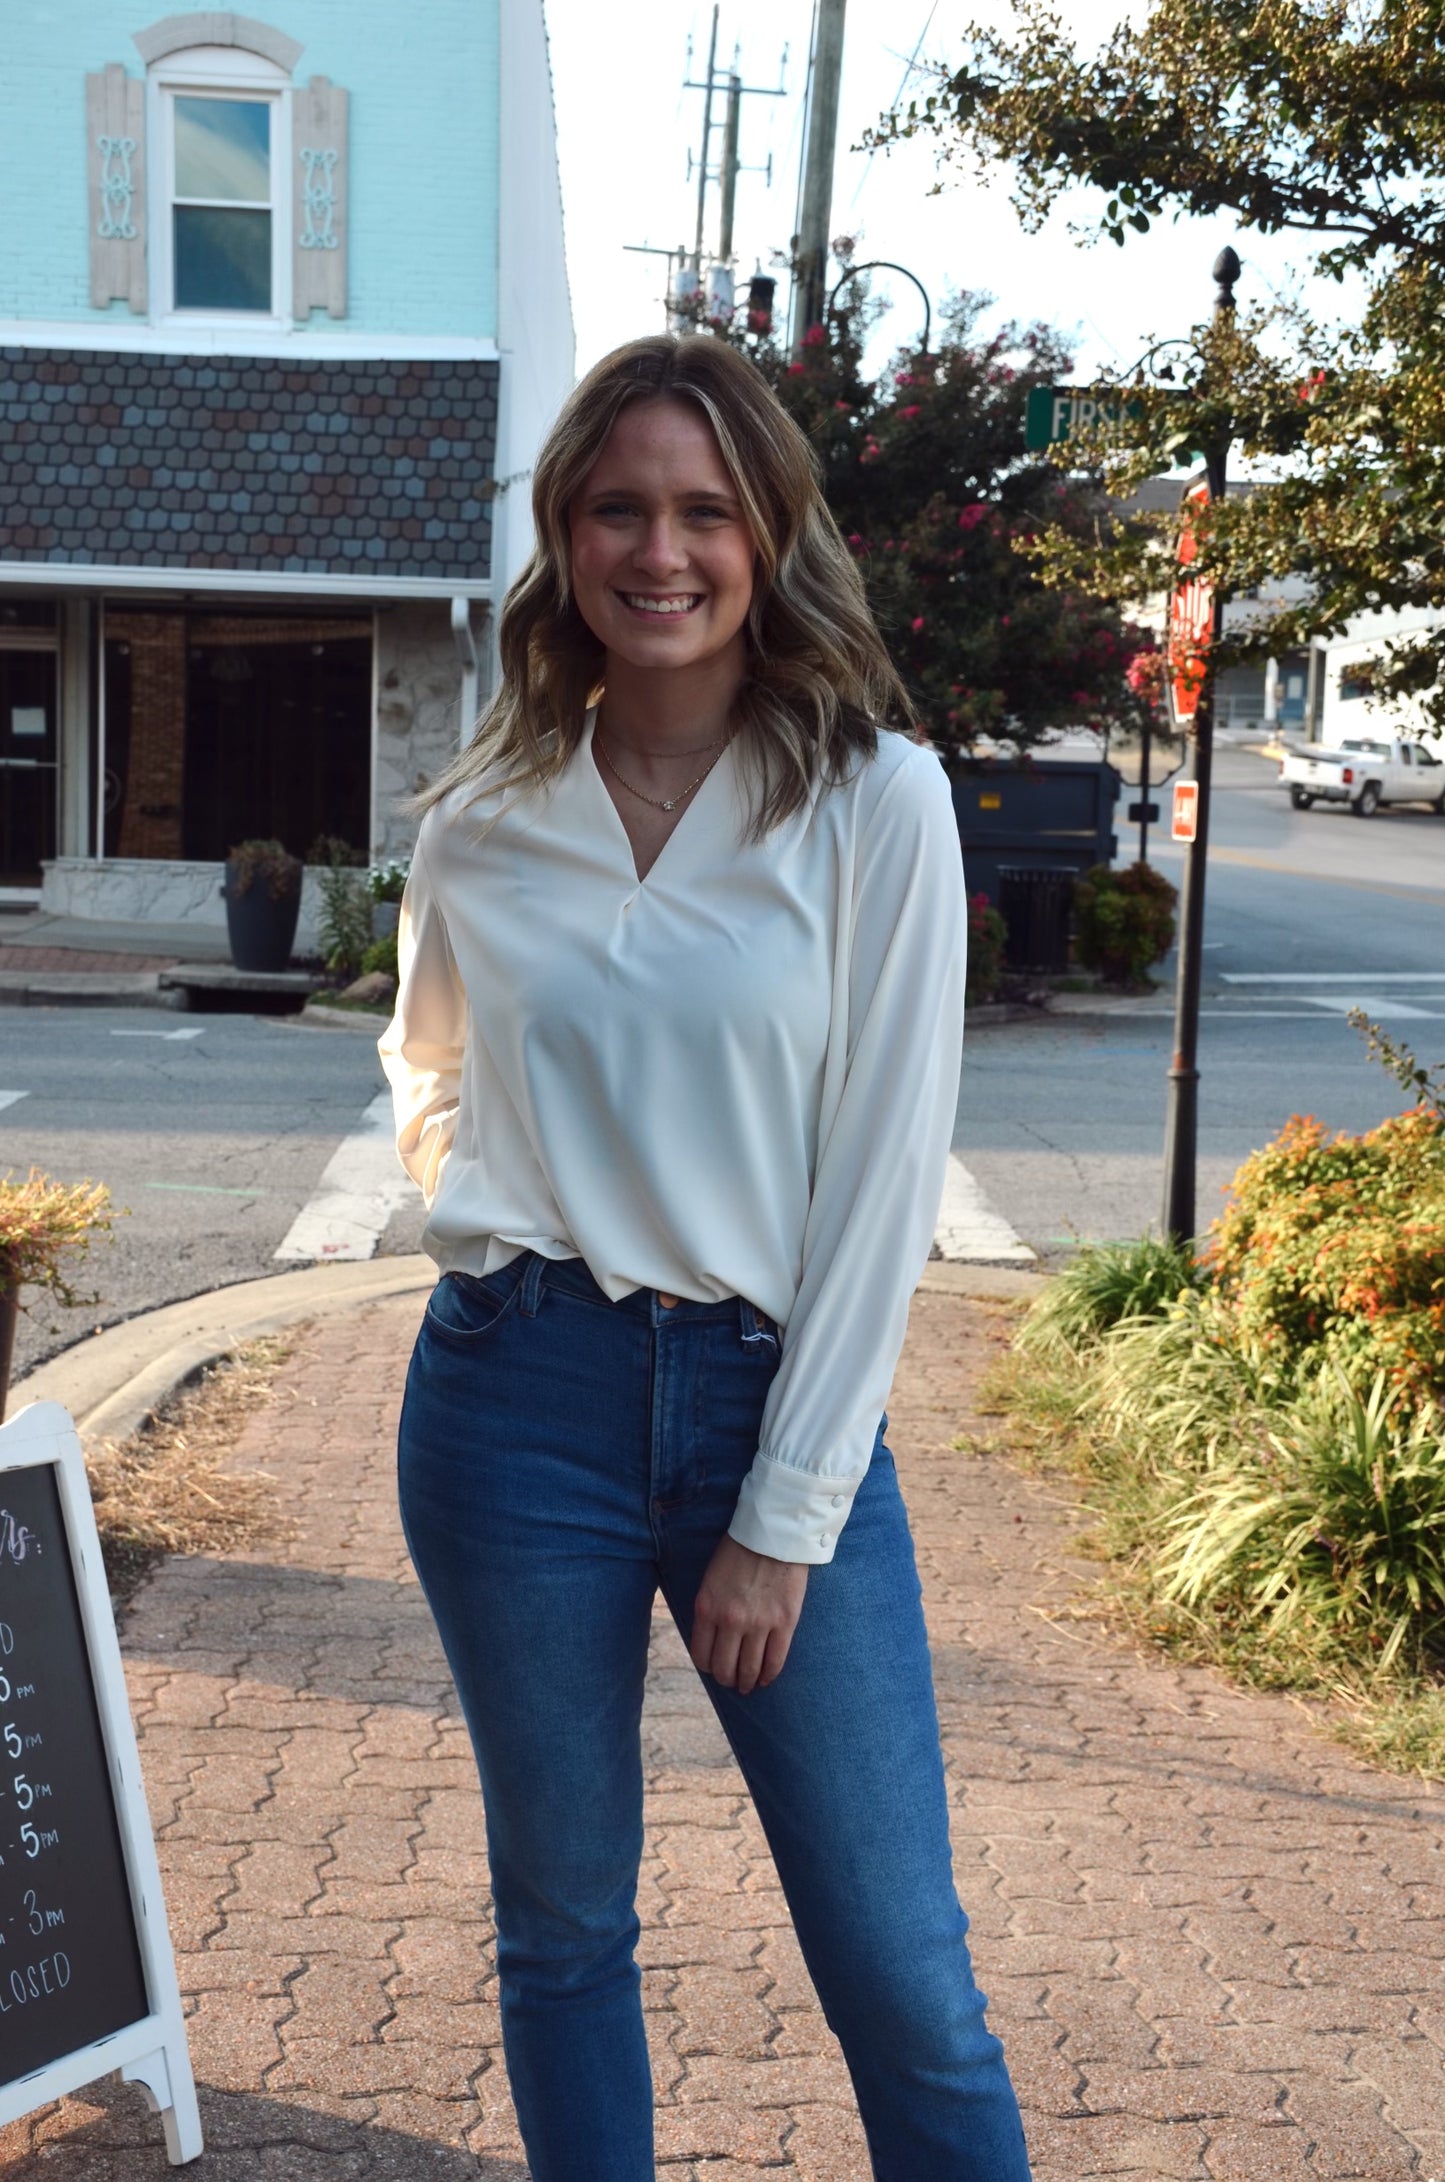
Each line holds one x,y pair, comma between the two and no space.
1323,119
928,478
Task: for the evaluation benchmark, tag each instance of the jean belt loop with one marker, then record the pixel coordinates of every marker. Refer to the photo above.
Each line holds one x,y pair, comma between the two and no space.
752,1323
533,1282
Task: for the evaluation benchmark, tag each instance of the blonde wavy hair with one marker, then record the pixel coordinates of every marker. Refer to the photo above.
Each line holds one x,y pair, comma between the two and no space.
819,682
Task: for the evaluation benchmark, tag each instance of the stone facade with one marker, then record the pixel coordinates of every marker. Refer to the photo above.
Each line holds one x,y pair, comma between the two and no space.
418,721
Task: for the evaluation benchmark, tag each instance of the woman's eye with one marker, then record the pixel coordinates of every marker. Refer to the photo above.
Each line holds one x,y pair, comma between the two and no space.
709,513
613,507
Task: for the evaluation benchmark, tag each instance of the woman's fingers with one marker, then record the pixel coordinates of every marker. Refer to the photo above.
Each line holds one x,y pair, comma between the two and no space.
750,1661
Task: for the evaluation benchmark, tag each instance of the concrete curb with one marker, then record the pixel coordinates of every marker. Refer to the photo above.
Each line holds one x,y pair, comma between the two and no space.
84,989
112,1383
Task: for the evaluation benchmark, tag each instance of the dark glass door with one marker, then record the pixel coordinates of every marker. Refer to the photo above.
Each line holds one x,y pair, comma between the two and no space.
29,763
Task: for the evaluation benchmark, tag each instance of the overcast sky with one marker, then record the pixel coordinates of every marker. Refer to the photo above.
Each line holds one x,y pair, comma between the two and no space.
625,125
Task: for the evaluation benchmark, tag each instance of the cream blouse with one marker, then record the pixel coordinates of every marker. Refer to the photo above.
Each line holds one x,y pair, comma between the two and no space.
735,1076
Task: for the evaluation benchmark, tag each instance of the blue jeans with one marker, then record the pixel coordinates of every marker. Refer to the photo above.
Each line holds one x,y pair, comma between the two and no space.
561,1456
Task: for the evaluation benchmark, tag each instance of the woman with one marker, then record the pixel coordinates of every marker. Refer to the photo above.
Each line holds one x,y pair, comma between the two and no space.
675,1062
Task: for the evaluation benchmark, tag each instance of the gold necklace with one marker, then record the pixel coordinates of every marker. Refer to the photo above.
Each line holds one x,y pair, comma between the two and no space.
661,803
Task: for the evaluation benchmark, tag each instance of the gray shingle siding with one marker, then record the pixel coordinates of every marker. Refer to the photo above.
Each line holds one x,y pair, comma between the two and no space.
250,463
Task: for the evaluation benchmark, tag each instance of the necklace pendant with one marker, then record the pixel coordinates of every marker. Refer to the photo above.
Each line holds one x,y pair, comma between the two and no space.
668,805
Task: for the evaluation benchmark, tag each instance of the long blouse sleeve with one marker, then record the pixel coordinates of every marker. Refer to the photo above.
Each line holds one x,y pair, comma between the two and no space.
879,1175
423,1047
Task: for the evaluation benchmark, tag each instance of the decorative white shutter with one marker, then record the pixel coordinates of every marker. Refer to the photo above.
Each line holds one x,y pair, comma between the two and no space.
115,132
318,260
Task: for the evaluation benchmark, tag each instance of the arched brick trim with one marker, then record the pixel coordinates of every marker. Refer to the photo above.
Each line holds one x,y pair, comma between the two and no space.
217,26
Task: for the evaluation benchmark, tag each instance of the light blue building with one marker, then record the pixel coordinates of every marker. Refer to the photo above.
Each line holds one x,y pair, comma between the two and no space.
283,313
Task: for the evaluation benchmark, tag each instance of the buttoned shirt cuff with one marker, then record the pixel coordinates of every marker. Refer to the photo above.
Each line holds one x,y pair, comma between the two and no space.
791,1515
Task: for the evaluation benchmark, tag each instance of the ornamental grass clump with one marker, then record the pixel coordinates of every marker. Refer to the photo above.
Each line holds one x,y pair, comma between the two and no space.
45,1229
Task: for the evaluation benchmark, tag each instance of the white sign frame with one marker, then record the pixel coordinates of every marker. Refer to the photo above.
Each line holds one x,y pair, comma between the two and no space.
152,2052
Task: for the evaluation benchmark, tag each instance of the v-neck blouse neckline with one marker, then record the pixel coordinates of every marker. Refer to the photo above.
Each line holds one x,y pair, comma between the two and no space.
699,801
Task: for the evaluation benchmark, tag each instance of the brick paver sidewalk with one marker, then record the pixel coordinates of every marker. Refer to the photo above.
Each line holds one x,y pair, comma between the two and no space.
1213,1941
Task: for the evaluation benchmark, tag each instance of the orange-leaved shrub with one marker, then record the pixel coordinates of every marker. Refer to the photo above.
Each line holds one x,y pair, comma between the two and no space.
1334,1246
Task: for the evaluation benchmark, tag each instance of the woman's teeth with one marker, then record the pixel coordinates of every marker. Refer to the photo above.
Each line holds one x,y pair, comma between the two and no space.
644,605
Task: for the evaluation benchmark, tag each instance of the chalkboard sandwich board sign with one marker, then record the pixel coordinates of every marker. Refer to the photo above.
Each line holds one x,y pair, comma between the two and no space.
87,1976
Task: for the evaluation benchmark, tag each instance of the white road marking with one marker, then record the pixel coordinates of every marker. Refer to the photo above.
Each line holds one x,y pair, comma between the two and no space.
8,1098
199,1031
969,1231
1386,1009
1332,977
361,1188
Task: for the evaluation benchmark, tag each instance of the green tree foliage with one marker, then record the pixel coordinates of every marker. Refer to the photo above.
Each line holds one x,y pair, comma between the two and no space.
1323,118
926,473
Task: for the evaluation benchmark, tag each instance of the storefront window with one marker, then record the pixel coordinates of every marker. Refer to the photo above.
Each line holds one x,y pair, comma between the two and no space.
227,726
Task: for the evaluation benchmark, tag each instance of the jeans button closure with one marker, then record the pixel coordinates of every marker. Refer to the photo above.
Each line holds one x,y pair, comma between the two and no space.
669,1303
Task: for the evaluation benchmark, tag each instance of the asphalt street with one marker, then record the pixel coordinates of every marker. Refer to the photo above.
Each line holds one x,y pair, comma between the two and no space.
1307,914
212,1131
215,1131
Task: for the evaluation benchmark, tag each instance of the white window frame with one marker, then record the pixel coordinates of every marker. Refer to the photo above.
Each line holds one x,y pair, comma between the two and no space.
216,72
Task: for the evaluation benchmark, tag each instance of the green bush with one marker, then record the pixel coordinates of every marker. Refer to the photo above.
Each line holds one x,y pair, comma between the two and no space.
987,938
381,955
1335,1247
1262,1430
1123,921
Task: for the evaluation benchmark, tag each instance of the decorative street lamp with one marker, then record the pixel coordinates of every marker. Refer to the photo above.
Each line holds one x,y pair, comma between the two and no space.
886,265
1181,1132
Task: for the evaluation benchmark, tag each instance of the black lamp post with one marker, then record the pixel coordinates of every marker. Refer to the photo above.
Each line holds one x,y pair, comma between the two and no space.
1181,1131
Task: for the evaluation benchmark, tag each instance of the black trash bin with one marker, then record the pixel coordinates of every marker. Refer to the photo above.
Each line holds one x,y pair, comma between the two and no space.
1036,903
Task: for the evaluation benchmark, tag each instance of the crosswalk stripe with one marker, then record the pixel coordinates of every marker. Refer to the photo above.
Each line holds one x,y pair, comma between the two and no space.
1331,977
969,1230
361,1187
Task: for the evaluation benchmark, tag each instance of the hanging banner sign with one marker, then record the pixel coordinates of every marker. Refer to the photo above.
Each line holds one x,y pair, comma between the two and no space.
1191,617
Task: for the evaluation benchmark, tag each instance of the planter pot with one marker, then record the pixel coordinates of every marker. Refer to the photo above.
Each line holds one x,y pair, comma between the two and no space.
262,930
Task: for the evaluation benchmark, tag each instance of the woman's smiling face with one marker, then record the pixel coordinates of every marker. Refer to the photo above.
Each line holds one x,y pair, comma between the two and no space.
662,557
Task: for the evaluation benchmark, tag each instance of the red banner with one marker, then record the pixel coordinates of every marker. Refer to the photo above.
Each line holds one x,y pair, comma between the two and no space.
1191,615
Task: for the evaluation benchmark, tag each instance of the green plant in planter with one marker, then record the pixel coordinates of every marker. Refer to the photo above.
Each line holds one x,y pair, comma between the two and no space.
269,864
987,938
346,903
1123,921
44,1226
388,881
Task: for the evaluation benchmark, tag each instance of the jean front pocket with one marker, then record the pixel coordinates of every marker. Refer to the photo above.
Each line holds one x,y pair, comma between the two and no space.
464,1307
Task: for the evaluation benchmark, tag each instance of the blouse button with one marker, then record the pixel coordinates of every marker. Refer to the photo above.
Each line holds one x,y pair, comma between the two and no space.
826,1539
837,1500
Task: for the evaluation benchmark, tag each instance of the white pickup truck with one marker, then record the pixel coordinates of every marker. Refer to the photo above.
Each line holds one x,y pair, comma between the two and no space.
1364,772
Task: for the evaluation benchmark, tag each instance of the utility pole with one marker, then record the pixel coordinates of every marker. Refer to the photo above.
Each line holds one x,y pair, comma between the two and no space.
1181,1132
730,163
810,267
706,135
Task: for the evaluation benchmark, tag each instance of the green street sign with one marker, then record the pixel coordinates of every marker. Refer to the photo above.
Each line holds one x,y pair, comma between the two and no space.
1055,413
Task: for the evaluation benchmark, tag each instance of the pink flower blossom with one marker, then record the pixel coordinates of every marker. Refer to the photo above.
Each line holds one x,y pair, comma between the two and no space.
917,623
970,517
795,371
913,410
814,338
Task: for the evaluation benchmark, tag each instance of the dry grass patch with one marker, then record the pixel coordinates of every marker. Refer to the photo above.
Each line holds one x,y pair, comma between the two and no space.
173,1486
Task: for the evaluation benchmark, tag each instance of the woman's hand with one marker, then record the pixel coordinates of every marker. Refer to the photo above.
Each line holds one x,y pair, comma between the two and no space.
747,1609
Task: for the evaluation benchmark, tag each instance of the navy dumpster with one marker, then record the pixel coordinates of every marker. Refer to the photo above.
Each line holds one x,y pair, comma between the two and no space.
1028,828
